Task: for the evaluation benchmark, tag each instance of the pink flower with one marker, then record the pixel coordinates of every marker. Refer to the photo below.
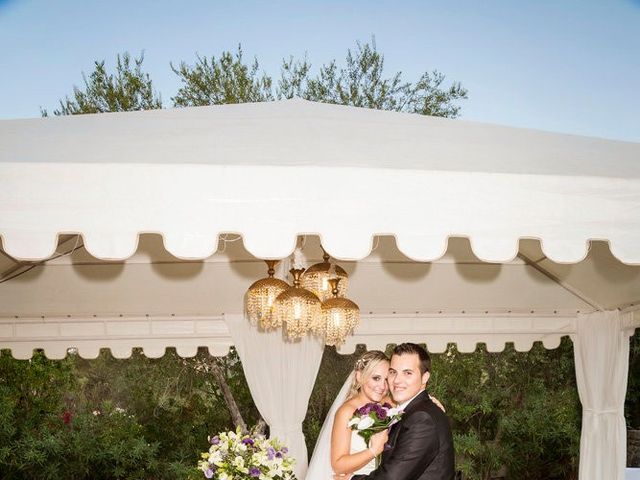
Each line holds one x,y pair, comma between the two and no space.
67,417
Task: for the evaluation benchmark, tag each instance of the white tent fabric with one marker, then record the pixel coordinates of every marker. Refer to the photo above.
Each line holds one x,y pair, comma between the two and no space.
281,376
601,350
274,170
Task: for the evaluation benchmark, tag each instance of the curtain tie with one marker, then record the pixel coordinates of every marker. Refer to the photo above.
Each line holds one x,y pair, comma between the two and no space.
593,411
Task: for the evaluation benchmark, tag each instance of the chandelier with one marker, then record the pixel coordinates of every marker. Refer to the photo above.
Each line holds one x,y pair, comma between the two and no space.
315,304
261,296
316,278
298,309
339,316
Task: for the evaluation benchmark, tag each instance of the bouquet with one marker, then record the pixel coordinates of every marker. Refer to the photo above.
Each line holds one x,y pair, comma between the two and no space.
234,456
373,418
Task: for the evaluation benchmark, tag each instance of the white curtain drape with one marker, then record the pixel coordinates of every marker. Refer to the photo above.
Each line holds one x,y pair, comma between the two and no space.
280,375
601,351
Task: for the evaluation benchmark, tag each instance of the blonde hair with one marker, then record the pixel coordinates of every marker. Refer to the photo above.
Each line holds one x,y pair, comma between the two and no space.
365,365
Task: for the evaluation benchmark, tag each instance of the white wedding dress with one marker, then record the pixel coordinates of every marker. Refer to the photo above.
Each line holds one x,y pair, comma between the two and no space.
320,464
358,445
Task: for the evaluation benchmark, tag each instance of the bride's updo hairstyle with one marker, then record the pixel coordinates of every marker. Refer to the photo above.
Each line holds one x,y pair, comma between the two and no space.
365,365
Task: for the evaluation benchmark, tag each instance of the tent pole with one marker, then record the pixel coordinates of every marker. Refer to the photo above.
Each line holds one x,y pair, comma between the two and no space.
572,290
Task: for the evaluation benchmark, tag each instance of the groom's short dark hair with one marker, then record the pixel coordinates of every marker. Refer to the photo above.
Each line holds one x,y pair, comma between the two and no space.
412,348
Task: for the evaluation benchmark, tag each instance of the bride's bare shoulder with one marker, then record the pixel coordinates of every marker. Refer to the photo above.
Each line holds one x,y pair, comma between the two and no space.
347,409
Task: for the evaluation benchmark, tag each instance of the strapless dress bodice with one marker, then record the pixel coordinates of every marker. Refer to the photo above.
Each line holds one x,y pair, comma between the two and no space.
358,445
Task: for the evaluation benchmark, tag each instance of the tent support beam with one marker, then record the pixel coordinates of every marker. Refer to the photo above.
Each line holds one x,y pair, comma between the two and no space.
572,290
154,333
634,307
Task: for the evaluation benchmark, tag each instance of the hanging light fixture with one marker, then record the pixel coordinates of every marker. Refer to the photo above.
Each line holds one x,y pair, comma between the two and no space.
261,296
297,308
273,303
316,278
339,316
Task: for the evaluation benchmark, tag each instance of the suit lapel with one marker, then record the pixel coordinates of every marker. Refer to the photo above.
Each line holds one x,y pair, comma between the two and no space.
421,397
395,429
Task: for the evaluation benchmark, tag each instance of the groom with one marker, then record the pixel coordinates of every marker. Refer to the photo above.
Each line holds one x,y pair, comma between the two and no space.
420,446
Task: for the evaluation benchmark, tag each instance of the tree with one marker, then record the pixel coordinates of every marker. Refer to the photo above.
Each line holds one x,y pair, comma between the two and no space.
515,414
221,81
128,89
361,83
41,427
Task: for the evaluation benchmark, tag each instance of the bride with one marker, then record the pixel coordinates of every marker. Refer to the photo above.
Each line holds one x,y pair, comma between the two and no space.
340,450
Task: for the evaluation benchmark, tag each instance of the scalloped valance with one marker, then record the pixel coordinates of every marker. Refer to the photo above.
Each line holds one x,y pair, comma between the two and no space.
272,171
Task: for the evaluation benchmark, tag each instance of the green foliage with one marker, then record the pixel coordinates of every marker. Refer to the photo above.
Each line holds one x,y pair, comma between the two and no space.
221,81
127,90
109,418
44,436
169,394
110,445
361,82
515,413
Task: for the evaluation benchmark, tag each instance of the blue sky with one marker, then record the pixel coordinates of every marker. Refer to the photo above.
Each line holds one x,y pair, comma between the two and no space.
565,65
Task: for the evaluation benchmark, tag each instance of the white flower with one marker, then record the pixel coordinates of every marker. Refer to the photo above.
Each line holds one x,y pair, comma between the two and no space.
354,421
392,412
365,423
216,458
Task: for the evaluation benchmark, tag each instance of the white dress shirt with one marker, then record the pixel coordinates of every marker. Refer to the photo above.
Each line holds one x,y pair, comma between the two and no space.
403,405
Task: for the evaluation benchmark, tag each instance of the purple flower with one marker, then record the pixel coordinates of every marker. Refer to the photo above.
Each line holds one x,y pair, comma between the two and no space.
387,405
214,441
271,453
254,472
208,473
366,409
248,441
278,455
285,450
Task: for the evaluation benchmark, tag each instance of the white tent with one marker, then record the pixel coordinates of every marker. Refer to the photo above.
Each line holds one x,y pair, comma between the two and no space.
501,235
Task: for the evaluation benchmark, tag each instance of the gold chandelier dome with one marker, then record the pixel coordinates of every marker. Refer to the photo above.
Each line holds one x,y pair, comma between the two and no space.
261,296
339,316
316,278
297,308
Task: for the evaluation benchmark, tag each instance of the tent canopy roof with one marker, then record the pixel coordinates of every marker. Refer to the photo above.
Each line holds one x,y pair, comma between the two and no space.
303,133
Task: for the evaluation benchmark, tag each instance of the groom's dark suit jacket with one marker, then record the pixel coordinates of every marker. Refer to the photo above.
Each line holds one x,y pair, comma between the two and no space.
420,445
